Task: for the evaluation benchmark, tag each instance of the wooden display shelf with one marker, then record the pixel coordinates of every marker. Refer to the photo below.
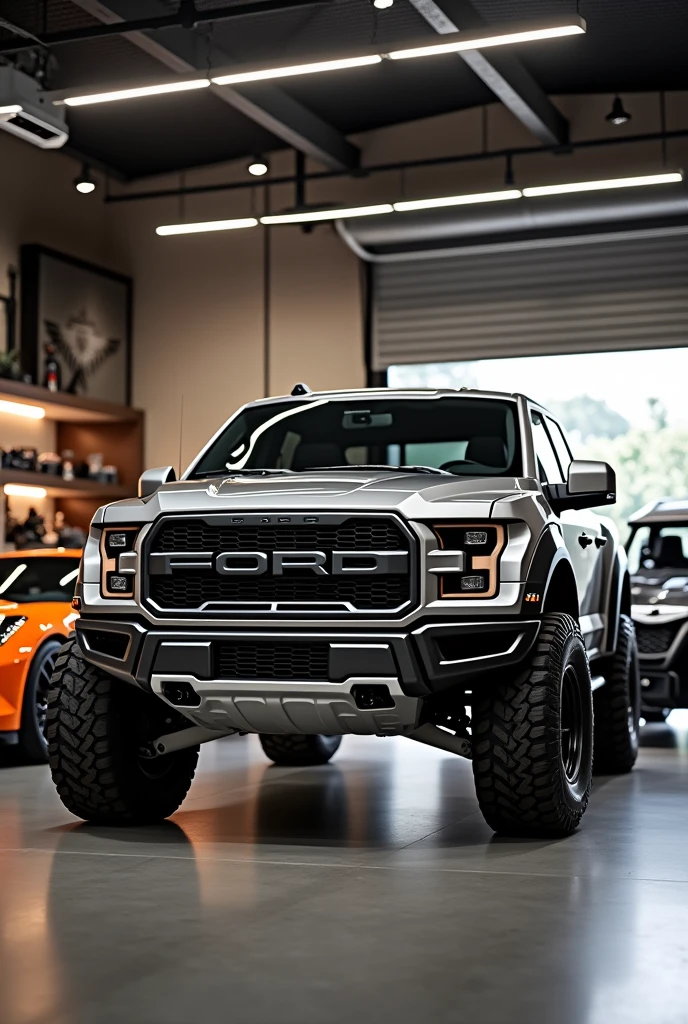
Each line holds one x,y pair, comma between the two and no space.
83,426
56,487
65,408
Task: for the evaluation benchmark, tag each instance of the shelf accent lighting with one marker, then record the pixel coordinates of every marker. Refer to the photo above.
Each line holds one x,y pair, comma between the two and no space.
24,491
30,412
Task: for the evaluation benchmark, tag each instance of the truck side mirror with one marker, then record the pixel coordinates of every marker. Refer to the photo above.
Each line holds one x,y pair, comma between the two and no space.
589,484
151,479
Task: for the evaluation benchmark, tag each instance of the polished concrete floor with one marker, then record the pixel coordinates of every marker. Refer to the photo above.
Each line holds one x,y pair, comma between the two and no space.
367,890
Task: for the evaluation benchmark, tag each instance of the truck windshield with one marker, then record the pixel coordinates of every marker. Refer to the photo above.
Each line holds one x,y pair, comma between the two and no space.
462,435
37,579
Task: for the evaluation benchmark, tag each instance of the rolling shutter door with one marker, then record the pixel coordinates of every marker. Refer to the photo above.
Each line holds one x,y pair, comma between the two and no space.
570,295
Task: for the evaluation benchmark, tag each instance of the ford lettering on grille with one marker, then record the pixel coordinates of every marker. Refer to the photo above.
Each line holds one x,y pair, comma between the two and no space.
331,564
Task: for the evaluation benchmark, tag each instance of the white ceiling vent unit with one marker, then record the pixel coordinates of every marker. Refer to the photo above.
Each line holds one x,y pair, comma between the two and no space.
24,114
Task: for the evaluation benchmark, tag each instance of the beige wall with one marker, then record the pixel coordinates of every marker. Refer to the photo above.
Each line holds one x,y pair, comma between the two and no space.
199,300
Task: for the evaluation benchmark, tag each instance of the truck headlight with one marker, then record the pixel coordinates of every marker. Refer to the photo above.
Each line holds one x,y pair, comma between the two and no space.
467,559
118,561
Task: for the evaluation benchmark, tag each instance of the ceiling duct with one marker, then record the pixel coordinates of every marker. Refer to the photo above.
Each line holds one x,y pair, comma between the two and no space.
23,112
524,223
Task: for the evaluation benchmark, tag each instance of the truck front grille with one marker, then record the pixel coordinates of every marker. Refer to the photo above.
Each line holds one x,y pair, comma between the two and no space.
272,660
193,590
355,534
656,639
187,577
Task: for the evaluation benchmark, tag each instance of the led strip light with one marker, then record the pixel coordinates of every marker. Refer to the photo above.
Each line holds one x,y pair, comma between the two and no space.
380,209
454,42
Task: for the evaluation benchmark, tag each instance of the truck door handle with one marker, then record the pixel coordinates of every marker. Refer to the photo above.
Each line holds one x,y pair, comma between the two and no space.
600,541
584,540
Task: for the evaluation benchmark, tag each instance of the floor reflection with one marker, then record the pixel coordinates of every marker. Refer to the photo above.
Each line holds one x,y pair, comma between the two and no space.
369,888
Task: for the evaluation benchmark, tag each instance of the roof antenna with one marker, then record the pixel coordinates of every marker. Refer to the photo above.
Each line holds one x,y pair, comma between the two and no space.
301,389
181,434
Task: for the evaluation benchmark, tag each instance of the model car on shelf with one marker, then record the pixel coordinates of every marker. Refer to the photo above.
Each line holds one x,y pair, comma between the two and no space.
422,564
36,588
658,560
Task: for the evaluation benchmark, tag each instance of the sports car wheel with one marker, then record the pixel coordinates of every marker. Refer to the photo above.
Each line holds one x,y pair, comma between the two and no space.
32,741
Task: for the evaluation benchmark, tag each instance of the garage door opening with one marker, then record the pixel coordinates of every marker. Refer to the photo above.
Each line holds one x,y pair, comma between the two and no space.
628,408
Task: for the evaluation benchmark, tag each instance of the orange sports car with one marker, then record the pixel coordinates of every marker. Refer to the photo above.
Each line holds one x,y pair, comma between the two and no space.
36,589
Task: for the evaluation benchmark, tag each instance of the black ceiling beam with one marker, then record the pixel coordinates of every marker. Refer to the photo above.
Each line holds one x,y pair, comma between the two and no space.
502,72
187,20
264,103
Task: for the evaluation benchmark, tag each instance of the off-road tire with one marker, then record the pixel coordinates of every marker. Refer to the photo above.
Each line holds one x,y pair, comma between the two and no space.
32,742
520,750
96,727
297,750
617,707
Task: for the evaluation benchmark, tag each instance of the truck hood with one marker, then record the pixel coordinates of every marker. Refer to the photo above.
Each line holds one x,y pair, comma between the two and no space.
412,494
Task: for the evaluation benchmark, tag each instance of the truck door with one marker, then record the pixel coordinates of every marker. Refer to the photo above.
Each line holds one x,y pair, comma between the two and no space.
581,529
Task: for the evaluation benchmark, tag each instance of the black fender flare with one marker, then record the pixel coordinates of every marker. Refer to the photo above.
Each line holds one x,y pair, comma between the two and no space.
618,600
550,564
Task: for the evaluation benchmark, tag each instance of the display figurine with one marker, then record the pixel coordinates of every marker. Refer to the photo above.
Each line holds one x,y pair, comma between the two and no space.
52,374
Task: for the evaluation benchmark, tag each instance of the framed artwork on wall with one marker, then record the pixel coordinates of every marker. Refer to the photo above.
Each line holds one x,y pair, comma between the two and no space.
75,325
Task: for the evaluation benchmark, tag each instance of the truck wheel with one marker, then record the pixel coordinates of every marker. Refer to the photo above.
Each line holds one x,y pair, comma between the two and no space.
532,739
32,742
97,727
617,707
295,749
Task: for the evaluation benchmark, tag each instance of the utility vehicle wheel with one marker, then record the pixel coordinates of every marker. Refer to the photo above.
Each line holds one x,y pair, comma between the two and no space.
32,741
532,739
97,728
617,707
656,715
294,749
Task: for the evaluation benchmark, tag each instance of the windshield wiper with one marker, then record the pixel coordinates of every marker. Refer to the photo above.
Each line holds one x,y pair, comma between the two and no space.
391,469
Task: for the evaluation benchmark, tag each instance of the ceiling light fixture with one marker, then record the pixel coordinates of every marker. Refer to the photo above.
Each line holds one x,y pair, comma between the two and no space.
24,491
454,42
132,94
574,28
30,412
84,183
296,69
594,186
465,200
206,225
258,166
318,215
617,115
382,5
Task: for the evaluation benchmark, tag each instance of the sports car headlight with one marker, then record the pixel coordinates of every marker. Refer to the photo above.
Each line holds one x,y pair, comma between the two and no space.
9,626
467,559
117,561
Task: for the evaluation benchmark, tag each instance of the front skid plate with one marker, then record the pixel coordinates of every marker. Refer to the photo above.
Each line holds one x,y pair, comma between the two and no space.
310,708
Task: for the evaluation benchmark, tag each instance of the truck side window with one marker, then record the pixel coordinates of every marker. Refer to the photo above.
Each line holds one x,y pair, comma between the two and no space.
561,445
548,464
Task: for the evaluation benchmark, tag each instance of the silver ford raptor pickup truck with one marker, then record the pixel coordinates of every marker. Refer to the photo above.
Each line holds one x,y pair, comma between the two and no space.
379,563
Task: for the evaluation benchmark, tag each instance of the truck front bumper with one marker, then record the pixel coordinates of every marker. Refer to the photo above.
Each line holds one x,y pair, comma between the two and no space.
312,682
